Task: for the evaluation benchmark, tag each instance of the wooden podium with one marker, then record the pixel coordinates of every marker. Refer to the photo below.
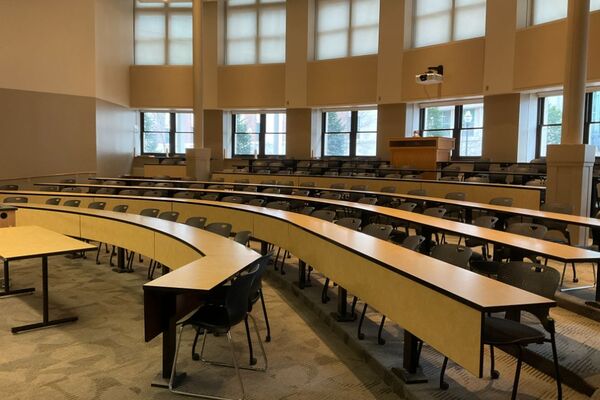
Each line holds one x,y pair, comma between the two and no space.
7,216
420,152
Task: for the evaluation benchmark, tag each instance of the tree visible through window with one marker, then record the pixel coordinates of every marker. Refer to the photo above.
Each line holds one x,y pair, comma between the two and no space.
166,132
259,134
550,126
350,133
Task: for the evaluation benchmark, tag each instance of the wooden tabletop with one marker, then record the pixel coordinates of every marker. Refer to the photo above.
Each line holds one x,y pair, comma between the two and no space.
33,241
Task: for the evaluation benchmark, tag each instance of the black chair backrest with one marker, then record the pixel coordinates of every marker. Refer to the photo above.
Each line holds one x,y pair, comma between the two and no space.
129,192
453,254
534,278
97,205
169,215
485,221
114,183
144,184
272,190
53,201
210,197
237,300
71,190
380,231
368,200
72,203
216,187
330,195
413,242
164,184
278,205
120,208
528,229
242,237
220,228
9,187
307,210
106,191
407,206
250,189
154,193
256,202
349,222
300,192
196,186
196,222
435,212
455,196
388,189
16,199
327,215
184,195
502,201
150,212
233,199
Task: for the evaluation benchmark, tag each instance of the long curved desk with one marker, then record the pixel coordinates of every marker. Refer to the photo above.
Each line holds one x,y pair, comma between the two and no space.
516,211
437,302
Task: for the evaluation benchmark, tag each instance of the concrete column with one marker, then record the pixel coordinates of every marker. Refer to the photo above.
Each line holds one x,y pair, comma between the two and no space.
198,158
570,164
575,72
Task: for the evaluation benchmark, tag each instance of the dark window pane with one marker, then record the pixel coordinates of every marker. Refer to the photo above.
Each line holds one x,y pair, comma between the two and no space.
246,144
439,117
184,122
366,144
247,123
337,144
274,144
471,142
158,122
156,142
338,121
183,140
367,120
276,123
553,106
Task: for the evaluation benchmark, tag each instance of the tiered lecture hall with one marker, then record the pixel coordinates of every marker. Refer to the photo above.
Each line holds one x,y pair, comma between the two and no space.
299,199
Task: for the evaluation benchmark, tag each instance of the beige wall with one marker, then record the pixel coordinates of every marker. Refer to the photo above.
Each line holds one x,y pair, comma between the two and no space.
501,125
390,57
252,86
115,139
391,122
213,137
161,87
114,50
45,49
298,133
45,133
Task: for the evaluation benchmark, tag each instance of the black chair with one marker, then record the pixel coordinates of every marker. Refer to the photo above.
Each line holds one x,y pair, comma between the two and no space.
536,231
106,191
279,205
97,205
16,199
256,202
413,242
508,332
453,254
483,221
71,190
327,215
242,237
383,232
53,201
185,195
453,211
307,210
220,228
272,190
233,199
9,187
154,193
196,222
220,318
210,197
72,203
130,192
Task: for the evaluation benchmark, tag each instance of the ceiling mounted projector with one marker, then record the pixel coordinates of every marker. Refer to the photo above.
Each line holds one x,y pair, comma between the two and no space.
433,76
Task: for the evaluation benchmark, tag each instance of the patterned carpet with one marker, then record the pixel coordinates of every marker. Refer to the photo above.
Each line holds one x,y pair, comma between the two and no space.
104,356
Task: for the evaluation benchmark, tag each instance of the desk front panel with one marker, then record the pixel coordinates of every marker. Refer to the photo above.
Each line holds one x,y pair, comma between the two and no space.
67,224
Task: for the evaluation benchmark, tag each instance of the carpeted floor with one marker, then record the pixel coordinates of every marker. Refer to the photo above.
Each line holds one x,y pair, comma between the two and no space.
103,355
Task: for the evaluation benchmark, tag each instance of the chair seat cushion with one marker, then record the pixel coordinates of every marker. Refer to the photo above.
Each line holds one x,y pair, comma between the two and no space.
211,317
499,331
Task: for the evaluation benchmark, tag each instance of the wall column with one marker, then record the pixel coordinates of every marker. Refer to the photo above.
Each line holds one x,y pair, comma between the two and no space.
570,164
198,158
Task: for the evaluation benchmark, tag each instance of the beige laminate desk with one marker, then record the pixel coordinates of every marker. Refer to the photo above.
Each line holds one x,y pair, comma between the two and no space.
17,243
434,301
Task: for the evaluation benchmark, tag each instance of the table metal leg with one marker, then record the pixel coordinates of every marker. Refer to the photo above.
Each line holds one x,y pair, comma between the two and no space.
410,371
301,274
7,292
46,322
169,341
121,261
342,314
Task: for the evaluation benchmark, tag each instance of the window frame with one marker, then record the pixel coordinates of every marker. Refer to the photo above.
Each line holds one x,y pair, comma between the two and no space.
353,133
165,10
539,125
456,129
256,6
172,132
261,134
589,103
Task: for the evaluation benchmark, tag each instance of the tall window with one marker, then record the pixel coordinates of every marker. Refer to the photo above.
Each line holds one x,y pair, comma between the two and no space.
550,10
346,28
167,132
255,32
163,33
349,133
549,124
592,120
441,21
462,122
259,134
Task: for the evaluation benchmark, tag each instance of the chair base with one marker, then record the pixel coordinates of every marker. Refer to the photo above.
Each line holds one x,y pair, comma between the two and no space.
410,378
